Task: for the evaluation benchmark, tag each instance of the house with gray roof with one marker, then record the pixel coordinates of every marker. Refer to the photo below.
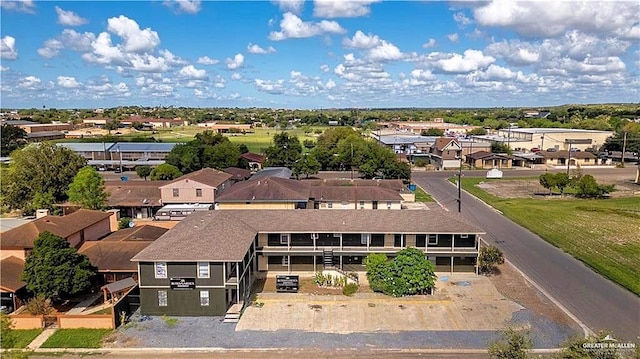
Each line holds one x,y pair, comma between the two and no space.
207,263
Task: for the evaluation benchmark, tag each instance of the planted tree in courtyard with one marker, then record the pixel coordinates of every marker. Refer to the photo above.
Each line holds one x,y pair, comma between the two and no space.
13,137
307,165
54,270
286,150
408,273
488,258
87,189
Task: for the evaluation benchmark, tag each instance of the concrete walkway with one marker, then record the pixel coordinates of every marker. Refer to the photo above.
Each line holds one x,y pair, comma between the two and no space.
40,339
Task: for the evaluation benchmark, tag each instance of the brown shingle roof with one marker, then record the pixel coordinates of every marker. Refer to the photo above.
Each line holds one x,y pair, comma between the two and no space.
239,174
442,142
207,176
24,235
133,193
253,157
227,235
272,189
480,155
393,184
114,252
10,273
565,154
359,193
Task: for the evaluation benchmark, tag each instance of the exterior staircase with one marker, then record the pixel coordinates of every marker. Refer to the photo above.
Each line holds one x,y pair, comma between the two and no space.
327,258
234,313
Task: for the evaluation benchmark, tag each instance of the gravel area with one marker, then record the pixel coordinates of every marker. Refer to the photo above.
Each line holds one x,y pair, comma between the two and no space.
211,332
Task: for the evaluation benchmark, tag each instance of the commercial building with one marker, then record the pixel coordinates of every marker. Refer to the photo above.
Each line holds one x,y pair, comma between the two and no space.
208,262
555,139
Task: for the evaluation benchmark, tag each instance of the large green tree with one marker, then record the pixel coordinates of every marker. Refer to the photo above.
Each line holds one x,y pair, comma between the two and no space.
307,165
408,273
165,172
143,171
39,170
87,189
13,137
55,270
285,151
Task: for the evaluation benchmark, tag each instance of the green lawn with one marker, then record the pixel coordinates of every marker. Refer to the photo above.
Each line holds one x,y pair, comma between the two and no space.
19,338
422,196
76,338
601,233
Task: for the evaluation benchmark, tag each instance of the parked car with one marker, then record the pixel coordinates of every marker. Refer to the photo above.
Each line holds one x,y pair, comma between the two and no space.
574,149
535,149
552,149
117,170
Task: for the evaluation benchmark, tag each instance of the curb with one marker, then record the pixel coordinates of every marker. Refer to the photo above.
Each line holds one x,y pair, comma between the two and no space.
585,329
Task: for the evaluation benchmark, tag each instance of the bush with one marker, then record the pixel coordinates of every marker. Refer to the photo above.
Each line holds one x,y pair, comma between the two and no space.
349,289
124,222
408,273
511,345
39,305
421,162
5,331
489,258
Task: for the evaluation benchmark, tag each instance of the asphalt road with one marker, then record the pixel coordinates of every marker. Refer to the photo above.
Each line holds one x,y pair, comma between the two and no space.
597,302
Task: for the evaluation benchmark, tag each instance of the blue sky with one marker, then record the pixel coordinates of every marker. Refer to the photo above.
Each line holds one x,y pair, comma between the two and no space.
318,54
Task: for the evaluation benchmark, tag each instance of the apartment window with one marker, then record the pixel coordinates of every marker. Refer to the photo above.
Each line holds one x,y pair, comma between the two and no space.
388,205
162,298
433,239
161,269
344,205
329,204
284,238
361,204
464,236
365,238
198,192
203,269
176,192
204,298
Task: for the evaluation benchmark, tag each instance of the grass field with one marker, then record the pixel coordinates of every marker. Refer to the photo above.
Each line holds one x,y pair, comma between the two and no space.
76,338
19,338
422,196
601,233
256,141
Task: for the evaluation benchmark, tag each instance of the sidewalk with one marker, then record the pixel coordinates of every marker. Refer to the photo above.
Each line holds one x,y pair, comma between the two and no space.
40,339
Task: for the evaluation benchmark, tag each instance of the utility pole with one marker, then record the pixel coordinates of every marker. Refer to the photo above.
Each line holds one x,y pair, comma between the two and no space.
351,160
624,148
460,185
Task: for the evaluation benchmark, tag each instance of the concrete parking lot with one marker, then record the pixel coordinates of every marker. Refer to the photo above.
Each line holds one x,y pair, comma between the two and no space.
461,302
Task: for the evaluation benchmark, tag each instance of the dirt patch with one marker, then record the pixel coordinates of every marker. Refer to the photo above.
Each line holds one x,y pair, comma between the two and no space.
532,188
513,286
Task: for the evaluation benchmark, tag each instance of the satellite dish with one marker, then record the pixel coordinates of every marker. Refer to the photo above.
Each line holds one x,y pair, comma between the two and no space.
131,224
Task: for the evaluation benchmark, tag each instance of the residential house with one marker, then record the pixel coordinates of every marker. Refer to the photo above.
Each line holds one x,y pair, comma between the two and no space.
266,193
483,159
255,160
446,152
238,174
134,199
77,227
208,262
560,158
356,197
13,291
112,255
202,186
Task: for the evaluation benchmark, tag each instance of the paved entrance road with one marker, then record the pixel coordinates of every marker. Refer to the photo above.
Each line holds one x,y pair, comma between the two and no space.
598,302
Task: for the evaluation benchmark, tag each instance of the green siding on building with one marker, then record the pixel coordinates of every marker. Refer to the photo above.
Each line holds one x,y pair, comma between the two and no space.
180,270
183,302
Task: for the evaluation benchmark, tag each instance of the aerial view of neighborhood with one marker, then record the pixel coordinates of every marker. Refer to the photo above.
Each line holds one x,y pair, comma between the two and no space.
320,179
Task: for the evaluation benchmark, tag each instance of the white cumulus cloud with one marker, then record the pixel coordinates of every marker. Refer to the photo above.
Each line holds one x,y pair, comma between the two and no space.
8,48
453,37
68,82
206,60
26,6
294,6
256,49
134,38
236,62
190,72
471,60
184,6
342,8
429,44
69,18
292,27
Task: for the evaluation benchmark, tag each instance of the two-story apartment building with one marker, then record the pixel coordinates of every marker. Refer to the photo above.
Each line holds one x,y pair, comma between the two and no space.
201,186
207,262
446,152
